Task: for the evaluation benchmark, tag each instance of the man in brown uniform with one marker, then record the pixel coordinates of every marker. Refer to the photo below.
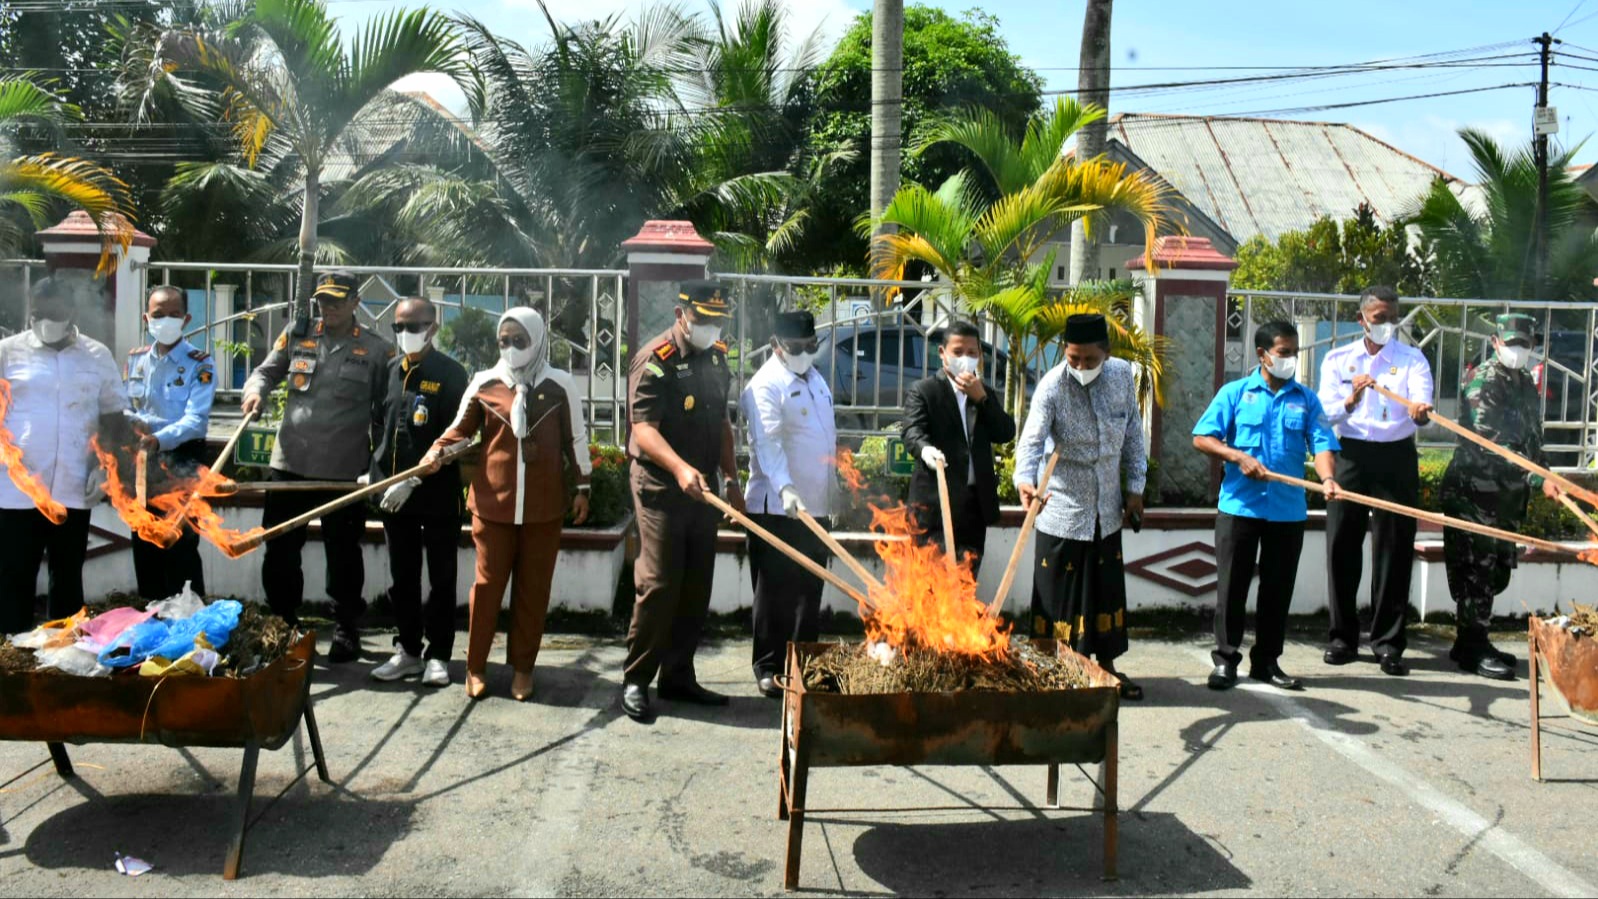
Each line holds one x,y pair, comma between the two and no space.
681,446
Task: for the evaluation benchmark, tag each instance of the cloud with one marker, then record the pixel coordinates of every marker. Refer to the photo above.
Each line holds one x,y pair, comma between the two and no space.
440,87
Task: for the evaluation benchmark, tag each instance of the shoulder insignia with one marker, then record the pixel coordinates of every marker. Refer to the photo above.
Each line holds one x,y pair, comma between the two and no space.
654,369
199,355
204,377
282,342
139,349
720,346
666,350
356,332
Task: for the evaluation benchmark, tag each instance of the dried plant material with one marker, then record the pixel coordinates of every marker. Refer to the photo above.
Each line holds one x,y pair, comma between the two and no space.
259,640
858,669
16,661
1584,617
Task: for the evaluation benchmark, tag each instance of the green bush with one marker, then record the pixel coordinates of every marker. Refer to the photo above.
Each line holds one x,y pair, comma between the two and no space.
609,495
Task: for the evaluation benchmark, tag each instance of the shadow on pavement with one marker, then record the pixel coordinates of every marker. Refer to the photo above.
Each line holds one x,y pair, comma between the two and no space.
1159,855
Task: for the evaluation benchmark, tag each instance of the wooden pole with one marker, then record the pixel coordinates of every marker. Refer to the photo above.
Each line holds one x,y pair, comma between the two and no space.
804,561
997,606
1433,517
141,477
1579,512
233,487
844,555
1565,483
948,514
221,459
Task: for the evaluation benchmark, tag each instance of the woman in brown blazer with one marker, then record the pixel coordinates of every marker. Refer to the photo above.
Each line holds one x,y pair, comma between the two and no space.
530,418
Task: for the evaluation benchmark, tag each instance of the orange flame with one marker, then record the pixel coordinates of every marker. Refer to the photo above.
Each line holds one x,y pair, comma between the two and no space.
26,481
178,506
926,603
208,523
152,528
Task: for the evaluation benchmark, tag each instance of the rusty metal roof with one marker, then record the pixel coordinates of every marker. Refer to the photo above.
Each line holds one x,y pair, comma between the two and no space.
1268,176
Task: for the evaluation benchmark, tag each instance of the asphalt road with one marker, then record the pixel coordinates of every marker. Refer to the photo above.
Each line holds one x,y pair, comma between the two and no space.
1361,785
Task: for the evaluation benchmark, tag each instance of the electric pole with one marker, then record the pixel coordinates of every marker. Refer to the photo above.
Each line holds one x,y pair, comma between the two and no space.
1545,121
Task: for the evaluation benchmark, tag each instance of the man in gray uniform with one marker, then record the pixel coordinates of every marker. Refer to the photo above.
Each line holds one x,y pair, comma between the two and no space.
336,376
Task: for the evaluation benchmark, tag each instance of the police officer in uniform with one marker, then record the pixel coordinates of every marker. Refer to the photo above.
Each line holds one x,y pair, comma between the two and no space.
336,375
681,446
1501,404
171,384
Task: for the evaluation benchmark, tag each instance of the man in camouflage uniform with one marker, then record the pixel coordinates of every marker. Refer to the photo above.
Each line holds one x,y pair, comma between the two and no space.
1500,404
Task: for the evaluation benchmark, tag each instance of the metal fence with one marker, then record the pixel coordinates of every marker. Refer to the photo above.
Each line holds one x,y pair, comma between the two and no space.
1455,335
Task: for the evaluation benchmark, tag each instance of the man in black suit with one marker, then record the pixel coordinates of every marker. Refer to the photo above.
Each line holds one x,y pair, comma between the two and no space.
954,418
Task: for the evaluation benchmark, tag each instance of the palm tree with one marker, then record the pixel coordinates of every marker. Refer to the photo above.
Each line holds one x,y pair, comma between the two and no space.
289,87
34,185
887,103
1093,86
985,249
1488,251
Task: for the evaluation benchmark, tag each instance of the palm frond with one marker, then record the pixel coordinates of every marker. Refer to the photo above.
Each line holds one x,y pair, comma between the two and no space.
82,184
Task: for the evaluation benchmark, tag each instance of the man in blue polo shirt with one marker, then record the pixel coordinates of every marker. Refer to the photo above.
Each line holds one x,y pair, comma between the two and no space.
1264,422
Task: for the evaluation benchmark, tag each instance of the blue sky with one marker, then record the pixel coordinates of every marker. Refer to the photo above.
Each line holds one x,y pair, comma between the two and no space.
1157,41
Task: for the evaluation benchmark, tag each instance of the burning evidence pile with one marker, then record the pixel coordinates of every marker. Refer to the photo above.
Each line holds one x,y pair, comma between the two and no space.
180,636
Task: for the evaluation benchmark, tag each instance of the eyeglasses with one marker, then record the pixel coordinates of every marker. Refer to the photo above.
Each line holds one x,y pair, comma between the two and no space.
520,342
411,327
793,347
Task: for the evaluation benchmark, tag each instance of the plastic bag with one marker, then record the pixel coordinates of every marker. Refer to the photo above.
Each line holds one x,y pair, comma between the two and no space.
72,660
174,639
102,630
176,608
52,634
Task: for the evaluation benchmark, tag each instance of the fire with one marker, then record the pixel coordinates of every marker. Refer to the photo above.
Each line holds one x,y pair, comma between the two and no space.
26,481
925,603
208,523
182,505
153,528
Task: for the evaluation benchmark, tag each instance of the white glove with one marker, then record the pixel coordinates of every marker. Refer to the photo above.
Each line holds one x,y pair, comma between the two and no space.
791,503
364,480
933,457
395,496
94,489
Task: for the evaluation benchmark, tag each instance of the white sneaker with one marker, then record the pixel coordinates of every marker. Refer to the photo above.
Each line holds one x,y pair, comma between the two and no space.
401,665
436,675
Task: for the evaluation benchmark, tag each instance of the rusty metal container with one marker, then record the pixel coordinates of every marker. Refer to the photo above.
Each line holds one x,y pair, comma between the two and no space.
261,711
1569,663
972,727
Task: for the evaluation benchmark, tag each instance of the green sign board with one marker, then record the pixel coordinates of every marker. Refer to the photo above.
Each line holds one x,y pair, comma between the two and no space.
255,447
900,462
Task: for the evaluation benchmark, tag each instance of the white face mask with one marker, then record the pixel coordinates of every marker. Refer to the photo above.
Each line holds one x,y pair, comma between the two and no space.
1514,358
701,337
50,330
961,365
799,363
516,357
1085,376
1282,368
414,343
1381,334
166,331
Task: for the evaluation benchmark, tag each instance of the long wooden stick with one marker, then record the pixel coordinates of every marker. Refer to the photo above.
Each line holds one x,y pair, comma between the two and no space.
221,459
948,514
844,555
1032,511
804,561
1565,483
1432,517
281,487
1579,512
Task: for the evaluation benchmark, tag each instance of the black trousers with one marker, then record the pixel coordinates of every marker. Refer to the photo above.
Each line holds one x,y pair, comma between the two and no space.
970,530
409,539
281,574
787,604
1389,471
161,573
26,538
1242,546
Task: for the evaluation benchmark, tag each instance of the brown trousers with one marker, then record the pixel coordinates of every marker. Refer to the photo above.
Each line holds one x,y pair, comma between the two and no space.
671,580
528,552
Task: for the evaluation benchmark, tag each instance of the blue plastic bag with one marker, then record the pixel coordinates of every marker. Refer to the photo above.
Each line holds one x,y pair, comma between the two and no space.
173,639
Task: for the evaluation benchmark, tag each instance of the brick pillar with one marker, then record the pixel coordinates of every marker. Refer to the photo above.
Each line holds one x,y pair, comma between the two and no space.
1184,300
110,306
660,257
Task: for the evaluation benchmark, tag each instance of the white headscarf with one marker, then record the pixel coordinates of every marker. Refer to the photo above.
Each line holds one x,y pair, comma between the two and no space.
527,377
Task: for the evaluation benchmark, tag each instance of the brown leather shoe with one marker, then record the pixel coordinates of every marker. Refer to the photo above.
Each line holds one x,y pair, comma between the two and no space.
521,686
476,687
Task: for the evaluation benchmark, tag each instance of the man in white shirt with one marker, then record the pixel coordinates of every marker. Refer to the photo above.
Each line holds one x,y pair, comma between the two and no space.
1378,459
65,388
792,443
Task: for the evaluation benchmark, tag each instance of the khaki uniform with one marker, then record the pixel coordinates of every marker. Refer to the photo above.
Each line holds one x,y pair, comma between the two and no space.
336,388
684,394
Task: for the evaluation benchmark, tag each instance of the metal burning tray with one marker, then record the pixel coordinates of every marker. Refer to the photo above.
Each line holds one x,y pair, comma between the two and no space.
261,711
1570,664
975,727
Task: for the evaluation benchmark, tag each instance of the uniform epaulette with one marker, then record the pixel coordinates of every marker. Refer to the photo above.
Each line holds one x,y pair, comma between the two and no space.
199,355
720,346
139,349
666,351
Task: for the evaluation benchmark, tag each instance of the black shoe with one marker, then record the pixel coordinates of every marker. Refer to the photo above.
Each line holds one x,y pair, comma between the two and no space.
1224,677
1274,675
1128,688
1464,656
635,701
1337,655
1393,666
346,645
690,693
768,687
1489,666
